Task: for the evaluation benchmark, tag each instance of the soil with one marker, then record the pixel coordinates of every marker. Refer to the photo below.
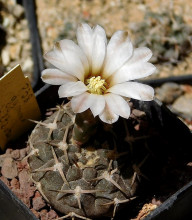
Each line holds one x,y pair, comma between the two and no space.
164,170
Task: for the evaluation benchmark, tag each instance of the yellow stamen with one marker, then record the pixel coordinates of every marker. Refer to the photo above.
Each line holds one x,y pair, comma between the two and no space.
96,85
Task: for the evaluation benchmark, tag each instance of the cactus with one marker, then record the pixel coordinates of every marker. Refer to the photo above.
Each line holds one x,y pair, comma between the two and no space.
82,166
89,182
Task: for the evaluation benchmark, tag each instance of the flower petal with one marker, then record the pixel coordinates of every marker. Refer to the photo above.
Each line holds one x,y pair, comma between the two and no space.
108,116
56,77
141,54
81,102
84,39
119,50
86,100
133,90
67,58
72,89
98,104
74,48
117,105
130,72
98,49
93,42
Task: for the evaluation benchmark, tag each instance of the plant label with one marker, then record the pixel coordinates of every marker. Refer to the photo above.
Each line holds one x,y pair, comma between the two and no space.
17,105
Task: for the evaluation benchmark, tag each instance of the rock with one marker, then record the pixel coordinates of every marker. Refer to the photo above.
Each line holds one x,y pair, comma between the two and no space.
187,88
8,151
6,22
35,213
168,92
24,23
9,23
22,165
2,158
156,202
26,187
15,51
15,9
26,183
23,153
27,65
52,214
5,57
12,40
27,48
15,154
23,35
138,113
5,180
43,214
183,106
15,183
15,188
18,11
52,32
9,168
38,202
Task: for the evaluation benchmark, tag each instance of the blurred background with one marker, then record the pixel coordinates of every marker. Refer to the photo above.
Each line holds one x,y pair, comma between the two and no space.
165,26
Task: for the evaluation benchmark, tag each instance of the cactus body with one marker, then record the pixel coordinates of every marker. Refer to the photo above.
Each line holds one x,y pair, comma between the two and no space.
89,181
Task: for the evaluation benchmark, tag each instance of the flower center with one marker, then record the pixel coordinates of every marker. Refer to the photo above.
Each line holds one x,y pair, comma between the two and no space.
96,85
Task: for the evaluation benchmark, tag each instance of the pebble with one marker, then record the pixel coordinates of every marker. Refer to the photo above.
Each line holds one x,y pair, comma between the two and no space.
38,202
2,158
138,113
5,180
6,22
5,57
16,25
27,189
156,202
12,40
52,32
18,11
26,183
15,183
168,92
22,164
8,151
23,35
15,51
23,153
10,23
52,214
43,214
15,154
9,168
15,9
27,65
35,213
183,106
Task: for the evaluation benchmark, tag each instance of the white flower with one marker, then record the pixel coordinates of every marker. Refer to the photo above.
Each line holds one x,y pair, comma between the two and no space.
98,75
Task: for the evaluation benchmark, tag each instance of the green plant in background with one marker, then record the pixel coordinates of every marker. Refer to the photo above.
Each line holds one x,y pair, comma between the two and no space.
166,33
68,31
